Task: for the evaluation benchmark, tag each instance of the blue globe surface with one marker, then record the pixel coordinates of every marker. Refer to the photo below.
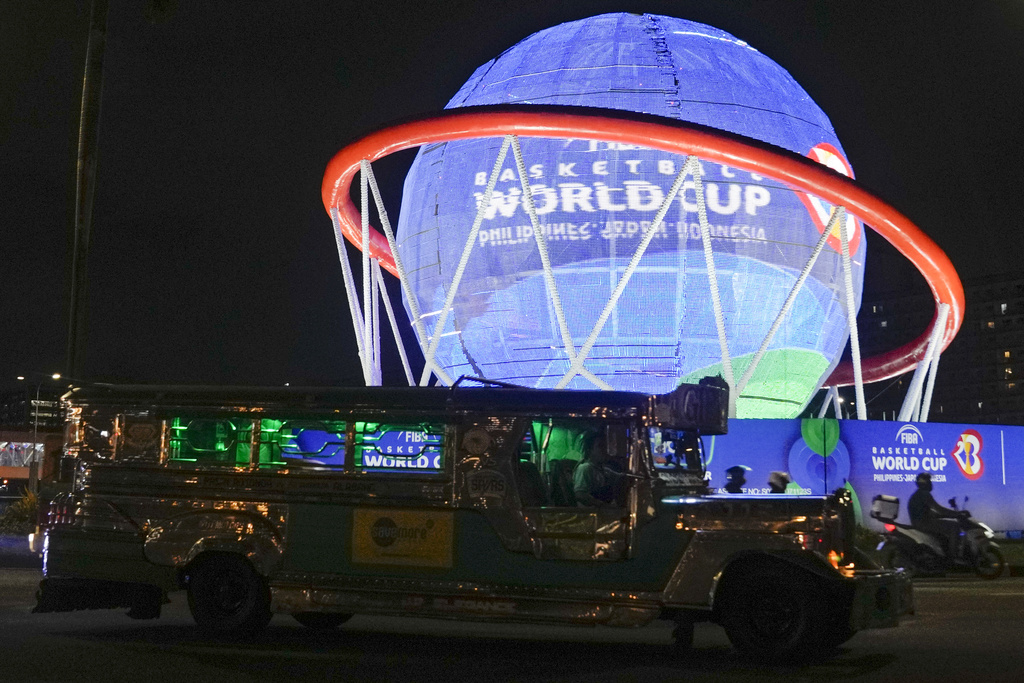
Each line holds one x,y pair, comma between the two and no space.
596,199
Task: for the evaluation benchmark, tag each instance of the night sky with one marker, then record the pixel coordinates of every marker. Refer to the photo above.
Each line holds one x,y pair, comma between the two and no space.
213,260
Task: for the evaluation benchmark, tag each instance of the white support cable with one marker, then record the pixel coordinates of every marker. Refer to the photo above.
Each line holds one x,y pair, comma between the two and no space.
453,287
836,403
394,324
851,317
410,295
620,287
716,298
824,403
542,251
933,366
375,330
742,384
350,292
365,211
912,401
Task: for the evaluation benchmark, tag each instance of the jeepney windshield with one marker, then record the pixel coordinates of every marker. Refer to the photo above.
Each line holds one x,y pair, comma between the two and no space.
676,450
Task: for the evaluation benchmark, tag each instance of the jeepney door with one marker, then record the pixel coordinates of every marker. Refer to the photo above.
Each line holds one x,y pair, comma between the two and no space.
560,529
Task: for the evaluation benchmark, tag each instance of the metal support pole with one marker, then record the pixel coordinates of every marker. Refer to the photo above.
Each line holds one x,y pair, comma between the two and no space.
913,397
88,148
741,385
577,363
933,369
435,339
716,297
851,314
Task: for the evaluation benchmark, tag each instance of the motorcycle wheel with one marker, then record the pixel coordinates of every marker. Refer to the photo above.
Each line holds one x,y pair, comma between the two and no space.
989,563
897,559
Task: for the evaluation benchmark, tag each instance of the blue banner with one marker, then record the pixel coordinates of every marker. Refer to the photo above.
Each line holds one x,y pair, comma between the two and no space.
980,464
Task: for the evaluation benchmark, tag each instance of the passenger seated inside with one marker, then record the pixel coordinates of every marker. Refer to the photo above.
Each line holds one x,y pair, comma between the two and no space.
595,484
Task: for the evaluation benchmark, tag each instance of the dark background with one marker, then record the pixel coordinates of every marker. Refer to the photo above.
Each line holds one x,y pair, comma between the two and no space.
213,260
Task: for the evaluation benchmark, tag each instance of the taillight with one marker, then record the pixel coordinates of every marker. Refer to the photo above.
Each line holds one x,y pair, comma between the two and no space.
890,528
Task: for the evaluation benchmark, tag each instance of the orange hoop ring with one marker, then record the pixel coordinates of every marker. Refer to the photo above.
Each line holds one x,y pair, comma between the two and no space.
676,137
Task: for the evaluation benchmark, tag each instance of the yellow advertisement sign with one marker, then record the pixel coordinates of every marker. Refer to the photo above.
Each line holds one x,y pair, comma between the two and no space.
411,538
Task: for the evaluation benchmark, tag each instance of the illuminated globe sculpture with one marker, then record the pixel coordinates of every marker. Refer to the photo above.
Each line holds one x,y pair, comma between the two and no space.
595,200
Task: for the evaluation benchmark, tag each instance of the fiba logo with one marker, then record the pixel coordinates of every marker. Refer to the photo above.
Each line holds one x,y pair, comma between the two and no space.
968,454
909,434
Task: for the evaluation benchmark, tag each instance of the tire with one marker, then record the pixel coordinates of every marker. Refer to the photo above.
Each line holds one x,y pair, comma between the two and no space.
227,596
322,621
774,615
989,563
897,559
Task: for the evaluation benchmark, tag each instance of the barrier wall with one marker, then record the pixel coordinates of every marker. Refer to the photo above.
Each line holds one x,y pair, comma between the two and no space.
984,463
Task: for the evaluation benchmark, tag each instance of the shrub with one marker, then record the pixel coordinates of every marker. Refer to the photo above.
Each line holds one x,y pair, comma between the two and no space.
20,516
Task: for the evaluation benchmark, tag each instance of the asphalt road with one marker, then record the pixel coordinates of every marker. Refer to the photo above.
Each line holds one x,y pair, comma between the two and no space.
964,630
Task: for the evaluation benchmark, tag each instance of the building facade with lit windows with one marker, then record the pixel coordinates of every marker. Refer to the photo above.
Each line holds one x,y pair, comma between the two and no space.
981,374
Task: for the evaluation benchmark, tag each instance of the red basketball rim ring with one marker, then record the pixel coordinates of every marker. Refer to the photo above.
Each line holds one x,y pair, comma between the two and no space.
658,133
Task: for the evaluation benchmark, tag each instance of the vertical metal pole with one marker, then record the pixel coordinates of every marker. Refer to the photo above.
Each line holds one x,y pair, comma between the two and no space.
367,315
88,147
824,403
716,296
913,397
34,474
851,315
378,378
933,368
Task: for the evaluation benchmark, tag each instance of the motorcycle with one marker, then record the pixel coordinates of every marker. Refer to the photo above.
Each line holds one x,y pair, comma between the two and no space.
920,554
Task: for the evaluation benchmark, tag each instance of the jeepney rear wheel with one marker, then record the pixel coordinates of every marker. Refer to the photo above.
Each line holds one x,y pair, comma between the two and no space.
774,615
322,621
227,596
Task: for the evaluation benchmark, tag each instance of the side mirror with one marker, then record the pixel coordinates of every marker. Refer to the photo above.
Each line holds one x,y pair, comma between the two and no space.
952,503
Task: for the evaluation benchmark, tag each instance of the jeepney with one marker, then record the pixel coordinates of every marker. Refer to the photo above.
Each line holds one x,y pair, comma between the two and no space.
442,502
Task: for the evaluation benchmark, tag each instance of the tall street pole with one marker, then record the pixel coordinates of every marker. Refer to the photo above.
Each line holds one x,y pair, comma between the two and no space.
88,143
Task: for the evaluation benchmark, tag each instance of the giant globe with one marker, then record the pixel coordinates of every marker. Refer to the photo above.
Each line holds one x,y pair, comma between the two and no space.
595,200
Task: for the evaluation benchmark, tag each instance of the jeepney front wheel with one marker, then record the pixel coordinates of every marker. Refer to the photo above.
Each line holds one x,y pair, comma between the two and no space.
227,596
773,615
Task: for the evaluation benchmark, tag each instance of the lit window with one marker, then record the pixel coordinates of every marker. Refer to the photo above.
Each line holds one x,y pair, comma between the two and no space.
1006,354
990,325
1002,308
885,323
979,405
1007,372
1011,385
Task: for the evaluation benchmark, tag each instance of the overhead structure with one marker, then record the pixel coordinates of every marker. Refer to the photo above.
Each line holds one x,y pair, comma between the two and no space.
556,245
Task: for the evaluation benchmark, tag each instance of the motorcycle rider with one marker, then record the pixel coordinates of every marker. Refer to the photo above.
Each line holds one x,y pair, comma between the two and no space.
930,517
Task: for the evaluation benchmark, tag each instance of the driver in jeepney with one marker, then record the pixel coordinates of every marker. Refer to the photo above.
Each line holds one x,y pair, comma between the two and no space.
595,483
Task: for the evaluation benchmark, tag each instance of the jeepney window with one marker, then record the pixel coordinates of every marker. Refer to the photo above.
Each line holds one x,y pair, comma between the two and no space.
555,449
676,450
399,447
307,442
206,441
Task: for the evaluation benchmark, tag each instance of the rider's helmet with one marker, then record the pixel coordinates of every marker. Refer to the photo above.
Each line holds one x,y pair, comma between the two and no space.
924,481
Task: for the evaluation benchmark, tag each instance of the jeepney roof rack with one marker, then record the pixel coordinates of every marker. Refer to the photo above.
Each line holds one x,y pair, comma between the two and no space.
485,381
